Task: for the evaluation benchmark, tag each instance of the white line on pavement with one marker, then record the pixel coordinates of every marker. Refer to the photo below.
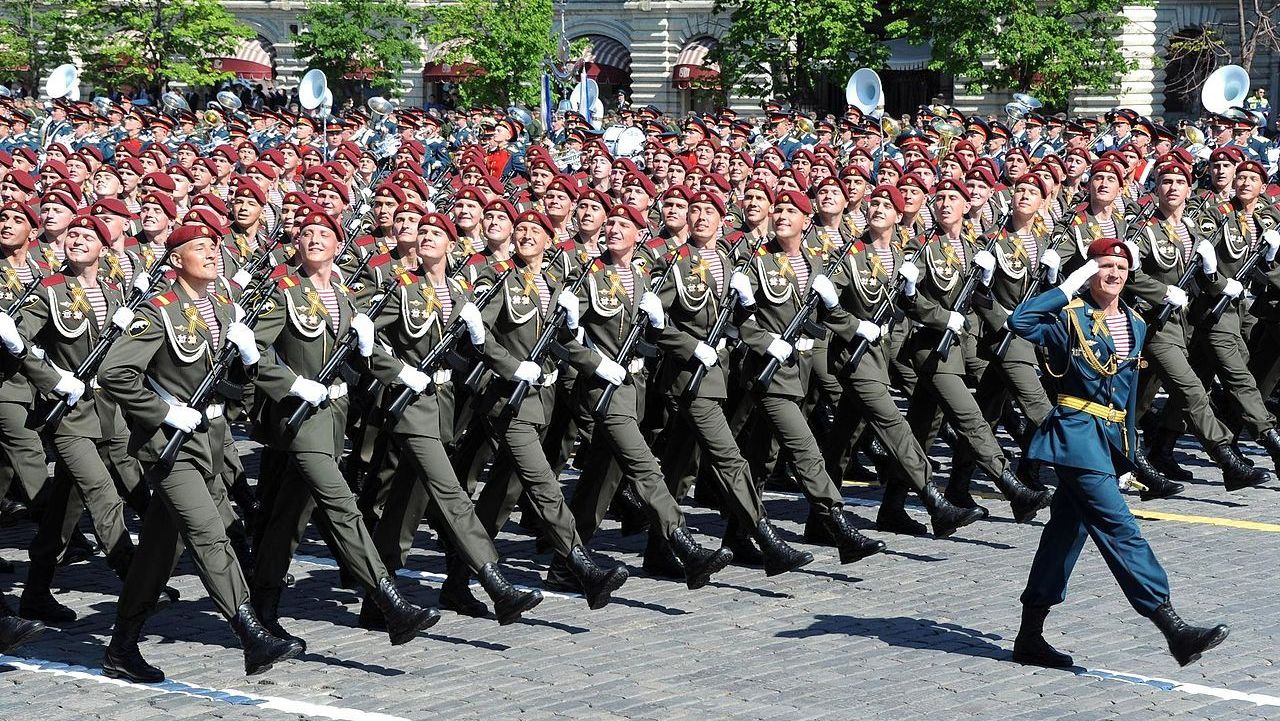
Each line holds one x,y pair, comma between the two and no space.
419,575
169,686
1258,699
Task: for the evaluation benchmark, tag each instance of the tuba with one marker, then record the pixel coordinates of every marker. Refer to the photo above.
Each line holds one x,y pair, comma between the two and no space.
864,91
1225,88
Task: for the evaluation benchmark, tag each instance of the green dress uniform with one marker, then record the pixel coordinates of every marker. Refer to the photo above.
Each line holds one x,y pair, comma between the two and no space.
63,323
165,354
302,332
1073,234
21,445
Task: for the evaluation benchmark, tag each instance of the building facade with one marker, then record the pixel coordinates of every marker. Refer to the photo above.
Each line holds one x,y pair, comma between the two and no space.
656,50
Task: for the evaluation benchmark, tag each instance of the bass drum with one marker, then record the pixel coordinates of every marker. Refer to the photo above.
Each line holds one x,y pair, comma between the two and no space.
630,143
611,138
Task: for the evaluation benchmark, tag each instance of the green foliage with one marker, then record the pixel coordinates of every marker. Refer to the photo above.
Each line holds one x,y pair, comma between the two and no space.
786,48
35,36
1048,48
370,38
508,38
151,42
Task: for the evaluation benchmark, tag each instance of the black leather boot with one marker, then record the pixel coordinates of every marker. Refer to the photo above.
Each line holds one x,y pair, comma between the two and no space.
123,659
1186,643
739,540
1025,502
37,602
892,516
632,511
853,546
659,560
560,576
245,497
945,516
1161,456
508,601
1270,440
1236,474
816,530
15,630
597,584
777,555
404,620
957,491
266,604
455,593
1157,485
700,564
370,618
262,650
12,512
1030,648
79,548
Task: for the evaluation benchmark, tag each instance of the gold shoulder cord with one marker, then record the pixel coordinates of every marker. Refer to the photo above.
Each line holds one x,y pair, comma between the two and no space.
1108,369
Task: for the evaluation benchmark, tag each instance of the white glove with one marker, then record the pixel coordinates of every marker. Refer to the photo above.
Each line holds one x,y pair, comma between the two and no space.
955,322
1208,257
1052,263
70,387
867,329
242,278
705,354
987,262
183,418
652,305
780,349
470,315
821,285
1078,277
610,372
363,326
242,336
1234,289
9,336
309,391
528,371
741,285
237,312
122,318
142,282
910,274
416,380
1175,296
1272,240
572,308
1133,253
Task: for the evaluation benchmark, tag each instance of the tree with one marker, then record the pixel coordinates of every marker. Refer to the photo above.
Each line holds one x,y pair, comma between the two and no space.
34,38
1249,30
787,48
152,42
1047,48
361,39
507,39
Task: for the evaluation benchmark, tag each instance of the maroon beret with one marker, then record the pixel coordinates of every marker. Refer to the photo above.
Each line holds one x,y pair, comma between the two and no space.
629,213
893,194
93,223
539,219
441,221
1104,247
187,233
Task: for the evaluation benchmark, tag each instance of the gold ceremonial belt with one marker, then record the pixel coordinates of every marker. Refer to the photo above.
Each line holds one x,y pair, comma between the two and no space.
1106,413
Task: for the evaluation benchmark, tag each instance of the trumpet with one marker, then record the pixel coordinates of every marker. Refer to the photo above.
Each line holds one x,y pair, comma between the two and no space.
948,131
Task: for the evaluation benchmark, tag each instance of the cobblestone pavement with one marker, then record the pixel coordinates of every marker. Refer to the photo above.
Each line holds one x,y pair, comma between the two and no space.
921,632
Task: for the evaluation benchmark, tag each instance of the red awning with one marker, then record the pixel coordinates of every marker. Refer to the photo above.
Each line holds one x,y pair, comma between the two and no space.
695,76
608,74
451,72
244,69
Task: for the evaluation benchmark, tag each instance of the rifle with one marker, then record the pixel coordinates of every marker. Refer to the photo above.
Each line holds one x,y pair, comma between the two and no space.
448,340
801,323
544,342
882,313
1250,265
204,392
341,351
1166,309
88,367
965,300
721,325
631,345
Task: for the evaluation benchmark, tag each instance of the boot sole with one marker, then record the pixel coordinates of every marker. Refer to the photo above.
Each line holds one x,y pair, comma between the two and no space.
426,620
1169,491
715,564
853,556
112,672
801,562
972,515
295,650
613,581
1042,661
1027,515
1264,478
1213,643
509,617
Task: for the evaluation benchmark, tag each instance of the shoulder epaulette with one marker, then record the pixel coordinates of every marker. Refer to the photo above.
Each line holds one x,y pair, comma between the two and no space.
1082,207
364,240
279,272
344,288
681,251
858,246
476,259
404,278
1075,303
172,274
1225,208
379,259
220,298
597,265
463,284
130,241
761,252
656,243
503,266
733,237
566,244
164,299
1081,216
40,264
55,279
287,281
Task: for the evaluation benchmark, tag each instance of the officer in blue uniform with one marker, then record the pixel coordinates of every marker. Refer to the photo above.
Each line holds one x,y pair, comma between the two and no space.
1093,346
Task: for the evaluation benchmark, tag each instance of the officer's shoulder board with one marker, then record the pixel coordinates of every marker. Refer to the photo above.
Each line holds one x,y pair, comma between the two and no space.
220,298
53,280
111,285
1075,303
164,299
403,277
857,247
597,265
761,252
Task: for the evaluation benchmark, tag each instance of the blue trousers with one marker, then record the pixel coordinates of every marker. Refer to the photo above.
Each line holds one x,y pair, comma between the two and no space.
1089,502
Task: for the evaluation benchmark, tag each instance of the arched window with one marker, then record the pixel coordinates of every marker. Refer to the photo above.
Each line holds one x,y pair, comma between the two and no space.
1192,53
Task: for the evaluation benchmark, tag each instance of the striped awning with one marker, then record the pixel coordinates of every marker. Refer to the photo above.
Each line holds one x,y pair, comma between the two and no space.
692,69
610,60
250,61
904,55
